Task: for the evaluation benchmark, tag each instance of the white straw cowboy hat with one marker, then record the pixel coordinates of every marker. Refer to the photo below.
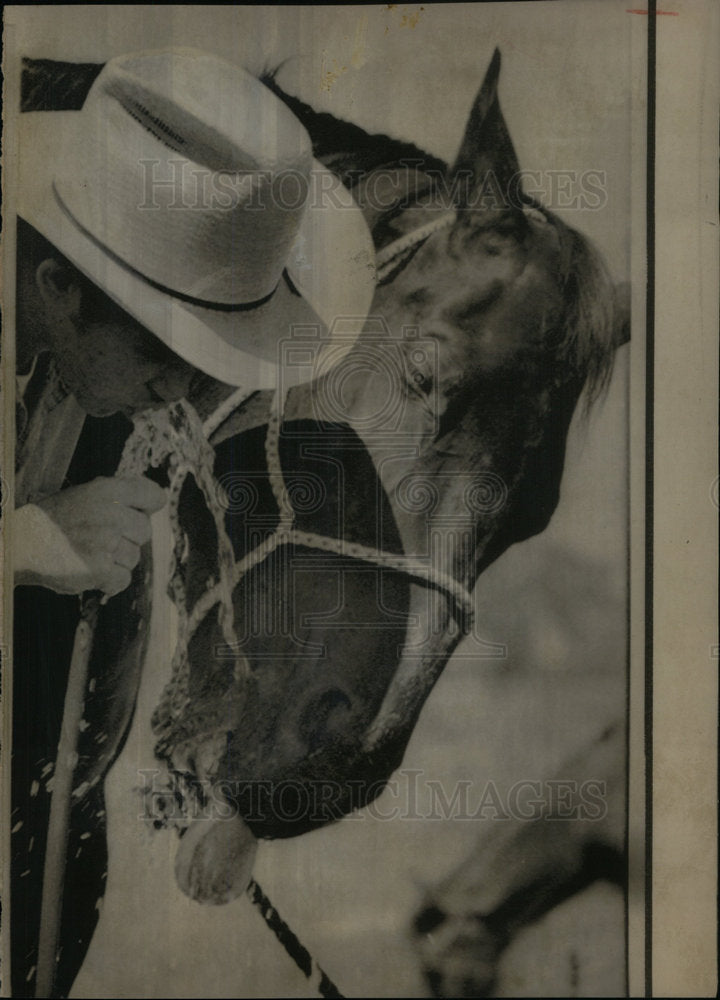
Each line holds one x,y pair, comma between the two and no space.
187,191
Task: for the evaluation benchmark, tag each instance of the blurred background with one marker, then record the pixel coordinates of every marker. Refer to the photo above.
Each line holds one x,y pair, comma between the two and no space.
558,602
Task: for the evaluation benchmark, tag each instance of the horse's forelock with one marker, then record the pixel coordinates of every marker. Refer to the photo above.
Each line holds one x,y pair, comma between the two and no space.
587,341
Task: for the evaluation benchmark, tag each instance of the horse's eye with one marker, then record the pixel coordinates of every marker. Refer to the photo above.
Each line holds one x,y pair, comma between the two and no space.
420,369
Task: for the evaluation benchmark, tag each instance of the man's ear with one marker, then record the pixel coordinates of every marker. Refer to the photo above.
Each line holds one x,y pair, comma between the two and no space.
58,287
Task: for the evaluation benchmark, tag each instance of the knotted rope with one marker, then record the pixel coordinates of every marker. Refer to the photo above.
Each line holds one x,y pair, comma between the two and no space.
177,435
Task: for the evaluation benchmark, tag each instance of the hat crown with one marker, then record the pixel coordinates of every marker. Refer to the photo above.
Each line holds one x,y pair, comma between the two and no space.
211,111
192,173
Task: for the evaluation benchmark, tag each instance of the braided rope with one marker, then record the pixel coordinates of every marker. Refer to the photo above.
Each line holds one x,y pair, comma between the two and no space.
295,949
224,410
384,259
458,595
272,458
177,436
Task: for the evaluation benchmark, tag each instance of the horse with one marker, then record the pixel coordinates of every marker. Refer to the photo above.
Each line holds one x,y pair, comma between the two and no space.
360,507
525,869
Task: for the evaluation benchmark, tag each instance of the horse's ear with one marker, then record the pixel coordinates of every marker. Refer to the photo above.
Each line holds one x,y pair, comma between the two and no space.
487,161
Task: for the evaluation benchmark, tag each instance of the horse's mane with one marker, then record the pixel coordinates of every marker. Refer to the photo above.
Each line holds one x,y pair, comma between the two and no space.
348,150
590,330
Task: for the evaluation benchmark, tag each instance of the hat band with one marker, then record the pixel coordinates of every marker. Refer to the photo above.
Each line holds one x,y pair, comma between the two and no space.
227,307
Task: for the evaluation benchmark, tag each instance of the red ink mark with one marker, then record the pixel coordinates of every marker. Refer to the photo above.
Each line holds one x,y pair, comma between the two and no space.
670,13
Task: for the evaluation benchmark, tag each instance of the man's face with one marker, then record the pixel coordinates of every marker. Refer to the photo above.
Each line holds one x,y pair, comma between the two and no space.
109,361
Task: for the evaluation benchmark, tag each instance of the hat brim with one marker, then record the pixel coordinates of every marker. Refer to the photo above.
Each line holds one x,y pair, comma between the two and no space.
287,339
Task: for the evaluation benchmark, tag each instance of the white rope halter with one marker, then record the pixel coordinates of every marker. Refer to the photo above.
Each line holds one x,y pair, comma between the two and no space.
285,534
178,434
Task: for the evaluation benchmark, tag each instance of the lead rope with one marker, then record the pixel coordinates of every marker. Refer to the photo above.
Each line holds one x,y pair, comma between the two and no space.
297,951
178,436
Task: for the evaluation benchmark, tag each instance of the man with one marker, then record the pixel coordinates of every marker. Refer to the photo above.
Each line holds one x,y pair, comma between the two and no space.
212,308
81,532
143,279
74,341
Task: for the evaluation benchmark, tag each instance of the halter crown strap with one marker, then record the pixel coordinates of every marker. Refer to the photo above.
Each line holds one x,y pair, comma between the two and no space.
384,259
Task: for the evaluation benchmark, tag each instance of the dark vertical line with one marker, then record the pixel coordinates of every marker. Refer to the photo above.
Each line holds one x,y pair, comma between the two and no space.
649,482
628,667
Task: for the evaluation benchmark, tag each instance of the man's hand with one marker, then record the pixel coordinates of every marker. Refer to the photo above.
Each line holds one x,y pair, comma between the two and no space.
86,537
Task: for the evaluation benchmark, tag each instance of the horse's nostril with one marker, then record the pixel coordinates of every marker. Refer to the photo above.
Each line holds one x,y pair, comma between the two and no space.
430,918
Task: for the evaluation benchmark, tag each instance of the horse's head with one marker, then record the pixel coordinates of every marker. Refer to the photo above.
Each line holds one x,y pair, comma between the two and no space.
490,317
501,315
